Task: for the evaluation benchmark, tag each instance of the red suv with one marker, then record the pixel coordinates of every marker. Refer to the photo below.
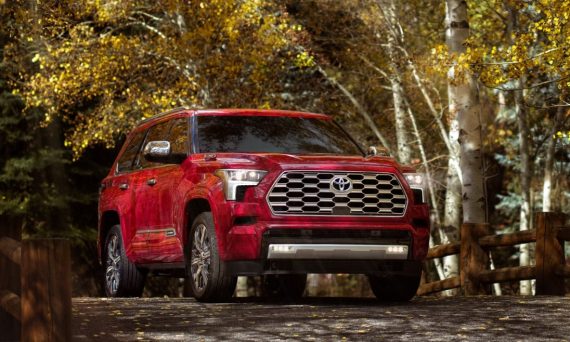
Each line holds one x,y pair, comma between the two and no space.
215,194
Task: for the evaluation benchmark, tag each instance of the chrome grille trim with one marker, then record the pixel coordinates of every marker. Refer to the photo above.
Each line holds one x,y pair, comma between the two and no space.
309,193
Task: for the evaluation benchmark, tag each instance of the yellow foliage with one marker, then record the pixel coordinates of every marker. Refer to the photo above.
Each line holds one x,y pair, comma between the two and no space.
104,65
538,45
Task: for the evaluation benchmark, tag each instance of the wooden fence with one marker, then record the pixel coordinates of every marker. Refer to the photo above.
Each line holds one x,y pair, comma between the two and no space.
475,278
42,310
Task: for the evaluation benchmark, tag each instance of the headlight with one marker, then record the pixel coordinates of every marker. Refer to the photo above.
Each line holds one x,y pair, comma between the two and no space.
415,180
233,178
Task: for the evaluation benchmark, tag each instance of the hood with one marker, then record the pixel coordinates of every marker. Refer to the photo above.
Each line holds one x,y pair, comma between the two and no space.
272,161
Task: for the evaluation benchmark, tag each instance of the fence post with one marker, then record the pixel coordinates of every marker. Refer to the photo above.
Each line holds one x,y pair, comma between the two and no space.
46,290
549,254
473,259
10,282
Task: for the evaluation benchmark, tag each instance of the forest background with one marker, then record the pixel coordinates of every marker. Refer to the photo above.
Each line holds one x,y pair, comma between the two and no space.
76,76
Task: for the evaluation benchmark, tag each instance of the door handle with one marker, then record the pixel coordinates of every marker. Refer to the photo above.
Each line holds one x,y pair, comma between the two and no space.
151,181
123,186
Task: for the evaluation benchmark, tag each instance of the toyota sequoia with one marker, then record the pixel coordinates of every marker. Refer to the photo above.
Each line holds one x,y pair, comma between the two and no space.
216,194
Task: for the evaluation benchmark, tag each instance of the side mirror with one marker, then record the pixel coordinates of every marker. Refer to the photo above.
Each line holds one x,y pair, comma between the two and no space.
377,151
157,151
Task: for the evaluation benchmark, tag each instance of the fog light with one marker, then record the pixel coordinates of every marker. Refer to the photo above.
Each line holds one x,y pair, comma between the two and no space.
280,248
397,250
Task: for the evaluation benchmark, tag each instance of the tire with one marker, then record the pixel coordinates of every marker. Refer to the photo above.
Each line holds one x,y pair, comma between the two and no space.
122,277
208,275
394,288
286,286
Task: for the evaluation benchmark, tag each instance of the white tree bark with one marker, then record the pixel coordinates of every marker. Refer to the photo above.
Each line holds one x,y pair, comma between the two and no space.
464,103
549,163
431,189
404,151
452,205
525,166
524,136
393,37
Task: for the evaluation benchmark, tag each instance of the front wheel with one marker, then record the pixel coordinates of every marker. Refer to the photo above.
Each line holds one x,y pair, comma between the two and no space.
209,279
122,277
394,288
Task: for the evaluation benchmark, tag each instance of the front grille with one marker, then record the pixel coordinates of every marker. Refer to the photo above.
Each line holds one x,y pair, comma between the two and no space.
313,193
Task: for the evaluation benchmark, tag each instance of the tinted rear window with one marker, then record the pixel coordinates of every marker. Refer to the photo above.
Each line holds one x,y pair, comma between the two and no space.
272,134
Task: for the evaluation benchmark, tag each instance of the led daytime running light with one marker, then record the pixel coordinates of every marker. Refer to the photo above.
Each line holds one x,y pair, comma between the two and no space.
234,178
415,180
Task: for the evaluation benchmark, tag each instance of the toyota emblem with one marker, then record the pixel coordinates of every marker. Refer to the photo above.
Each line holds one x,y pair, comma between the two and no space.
341,184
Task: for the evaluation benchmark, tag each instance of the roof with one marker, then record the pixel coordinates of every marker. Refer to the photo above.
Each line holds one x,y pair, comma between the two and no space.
182,111
259,112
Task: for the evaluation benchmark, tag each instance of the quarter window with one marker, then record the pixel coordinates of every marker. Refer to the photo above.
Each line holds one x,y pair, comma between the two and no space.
125,163
179,137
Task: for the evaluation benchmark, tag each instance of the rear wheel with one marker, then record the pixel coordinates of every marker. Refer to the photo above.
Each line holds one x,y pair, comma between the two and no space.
286,286
209,279
122,277
394,288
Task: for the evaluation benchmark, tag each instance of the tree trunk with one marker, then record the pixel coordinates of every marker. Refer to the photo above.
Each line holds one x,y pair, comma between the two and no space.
431,189
464,102
402,135
452,210
403,148
524,134
549,164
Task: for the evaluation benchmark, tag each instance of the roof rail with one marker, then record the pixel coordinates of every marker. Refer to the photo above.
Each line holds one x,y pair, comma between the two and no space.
174,110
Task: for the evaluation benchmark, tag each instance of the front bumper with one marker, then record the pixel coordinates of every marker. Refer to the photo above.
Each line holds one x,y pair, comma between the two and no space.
251,242
330,249
294,251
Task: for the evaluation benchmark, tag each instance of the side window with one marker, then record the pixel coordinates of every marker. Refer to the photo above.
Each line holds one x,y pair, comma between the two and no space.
179,137
126,161
156,132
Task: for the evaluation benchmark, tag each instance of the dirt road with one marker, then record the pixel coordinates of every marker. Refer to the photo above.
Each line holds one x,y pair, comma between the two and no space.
332,319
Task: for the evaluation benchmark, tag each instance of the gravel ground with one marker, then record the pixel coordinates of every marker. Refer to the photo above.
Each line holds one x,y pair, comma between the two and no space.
486,318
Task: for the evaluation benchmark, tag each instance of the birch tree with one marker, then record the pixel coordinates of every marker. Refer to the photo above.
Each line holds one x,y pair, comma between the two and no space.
549,162
464,105
525,166
394,37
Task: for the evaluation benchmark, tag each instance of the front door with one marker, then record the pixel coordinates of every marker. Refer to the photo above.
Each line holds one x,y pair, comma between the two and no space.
157,199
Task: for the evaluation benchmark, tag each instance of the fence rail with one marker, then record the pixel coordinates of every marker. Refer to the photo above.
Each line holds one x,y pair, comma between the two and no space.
475,277
43,311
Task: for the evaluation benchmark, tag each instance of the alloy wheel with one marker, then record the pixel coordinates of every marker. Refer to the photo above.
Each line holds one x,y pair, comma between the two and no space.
200,258
112,275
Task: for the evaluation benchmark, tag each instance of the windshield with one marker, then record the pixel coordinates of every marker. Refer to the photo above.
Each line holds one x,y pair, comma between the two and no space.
273,134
